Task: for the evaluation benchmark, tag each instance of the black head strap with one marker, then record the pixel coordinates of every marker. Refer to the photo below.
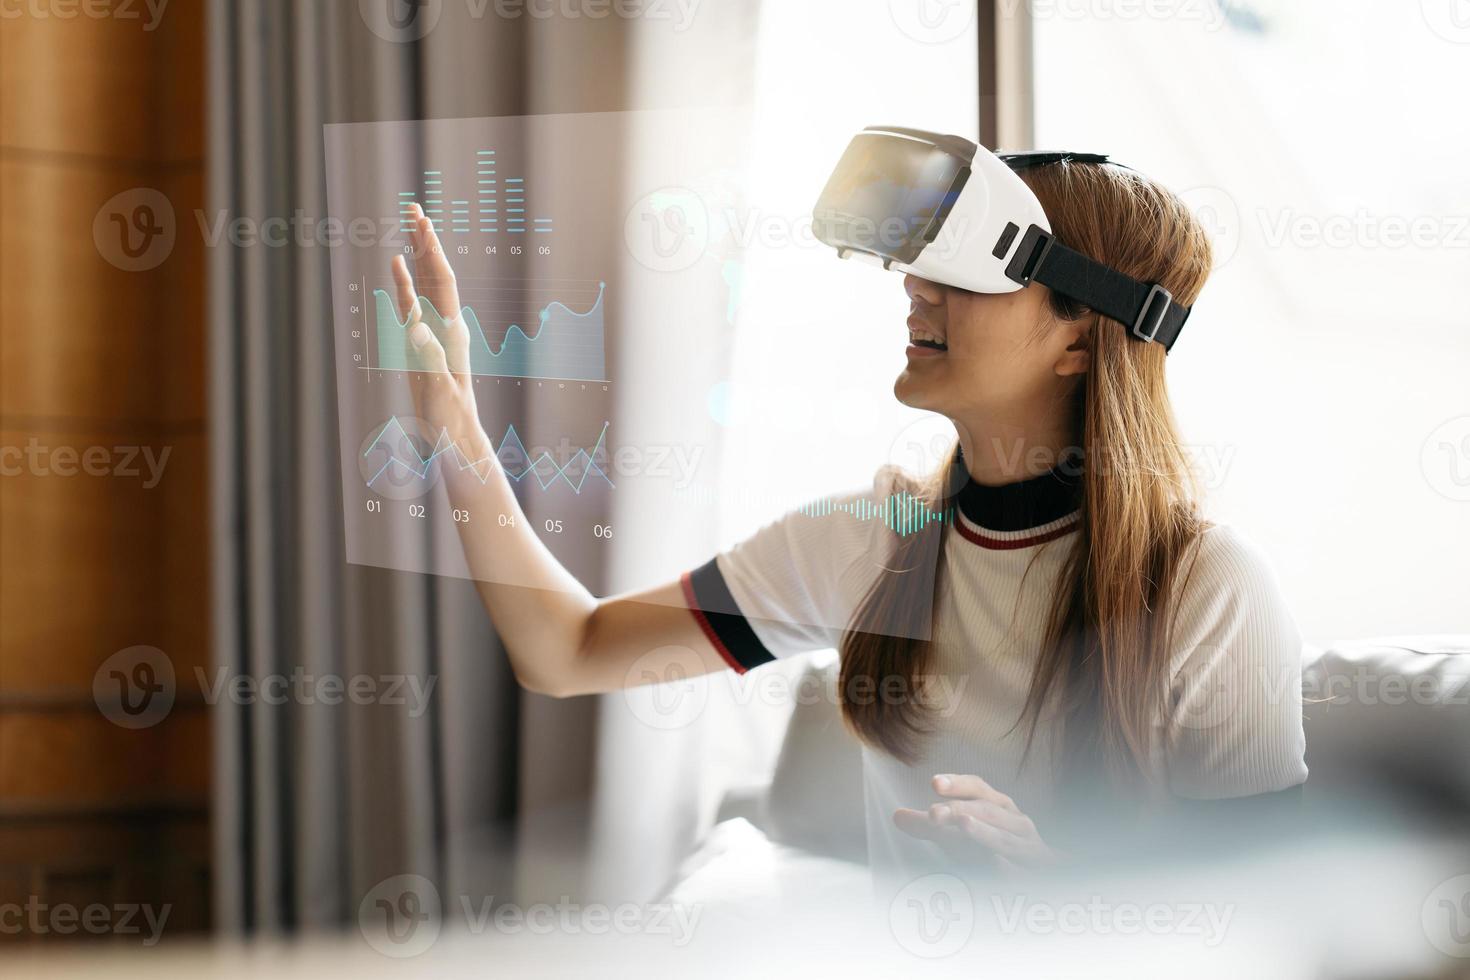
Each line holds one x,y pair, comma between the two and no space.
1147,309
1041,158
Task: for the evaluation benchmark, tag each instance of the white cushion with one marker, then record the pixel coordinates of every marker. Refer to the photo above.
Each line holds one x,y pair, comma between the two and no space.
816,797
1389,720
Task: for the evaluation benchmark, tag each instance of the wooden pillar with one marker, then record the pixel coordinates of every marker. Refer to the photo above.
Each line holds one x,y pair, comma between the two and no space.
103,537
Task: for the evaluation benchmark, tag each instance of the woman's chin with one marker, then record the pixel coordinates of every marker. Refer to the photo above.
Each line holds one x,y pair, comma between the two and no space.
915,392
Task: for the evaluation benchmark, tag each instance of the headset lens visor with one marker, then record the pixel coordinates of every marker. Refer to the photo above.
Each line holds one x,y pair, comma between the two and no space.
888,196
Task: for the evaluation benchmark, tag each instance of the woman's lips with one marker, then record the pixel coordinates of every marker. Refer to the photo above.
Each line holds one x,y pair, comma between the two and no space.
918,324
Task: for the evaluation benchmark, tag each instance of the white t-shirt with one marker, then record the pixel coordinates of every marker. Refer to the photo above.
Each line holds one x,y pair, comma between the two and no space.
1233,726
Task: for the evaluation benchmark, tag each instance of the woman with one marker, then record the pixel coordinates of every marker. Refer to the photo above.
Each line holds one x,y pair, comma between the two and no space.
1068,630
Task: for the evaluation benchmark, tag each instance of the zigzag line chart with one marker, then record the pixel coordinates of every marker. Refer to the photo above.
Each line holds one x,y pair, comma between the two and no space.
512,457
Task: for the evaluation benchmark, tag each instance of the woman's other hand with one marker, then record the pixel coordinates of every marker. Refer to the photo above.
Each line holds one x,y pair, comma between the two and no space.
974,821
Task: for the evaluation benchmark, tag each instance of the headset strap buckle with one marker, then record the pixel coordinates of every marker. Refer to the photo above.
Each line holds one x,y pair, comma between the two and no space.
1146,327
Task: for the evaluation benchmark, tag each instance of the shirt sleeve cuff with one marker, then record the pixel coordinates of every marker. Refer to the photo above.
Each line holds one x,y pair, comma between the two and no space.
720,618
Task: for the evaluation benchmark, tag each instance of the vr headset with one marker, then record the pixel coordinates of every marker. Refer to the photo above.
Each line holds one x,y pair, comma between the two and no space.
952,212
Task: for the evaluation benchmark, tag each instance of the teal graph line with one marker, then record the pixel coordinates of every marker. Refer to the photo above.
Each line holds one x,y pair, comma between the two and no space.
564,344
512,457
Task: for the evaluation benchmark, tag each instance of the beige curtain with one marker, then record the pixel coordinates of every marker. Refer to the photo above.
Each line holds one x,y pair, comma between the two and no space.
490,791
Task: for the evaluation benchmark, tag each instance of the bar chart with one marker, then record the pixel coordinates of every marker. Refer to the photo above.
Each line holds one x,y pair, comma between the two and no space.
483,200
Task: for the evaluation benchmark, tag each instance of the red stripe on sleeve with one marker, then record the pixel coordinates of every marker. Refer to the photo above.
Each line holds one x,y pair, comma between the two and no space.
687,583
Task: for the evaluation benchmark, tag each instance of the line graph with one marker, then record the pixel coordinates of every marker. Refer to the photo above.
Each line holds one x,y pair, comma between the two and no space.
546,341
395,442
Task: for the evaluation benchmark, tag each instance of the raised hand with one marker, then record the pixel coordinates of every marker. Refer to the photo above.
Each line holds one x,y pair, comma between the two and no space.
444,390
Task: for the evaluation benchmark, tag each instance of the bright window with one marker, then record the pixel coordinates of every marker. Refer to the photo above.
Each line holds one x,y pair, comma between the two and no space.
1324,378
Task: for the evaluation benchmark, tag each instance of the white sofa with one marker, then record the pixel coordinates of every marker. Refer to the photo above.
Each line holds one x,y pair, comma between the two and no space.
1387,723
1358,892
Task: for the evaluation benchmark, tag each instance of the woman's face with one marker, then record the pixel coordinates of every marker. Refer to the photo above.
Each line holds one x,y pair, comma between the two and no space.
986,355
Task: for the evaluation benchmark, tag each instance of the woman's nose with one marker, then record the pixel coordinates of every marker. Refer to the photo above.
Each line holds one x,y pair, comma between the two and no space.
930,293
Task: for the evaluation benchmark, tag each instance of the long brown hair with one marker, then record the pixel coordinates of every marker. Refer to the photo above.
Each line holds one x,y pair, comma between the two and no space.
1105,660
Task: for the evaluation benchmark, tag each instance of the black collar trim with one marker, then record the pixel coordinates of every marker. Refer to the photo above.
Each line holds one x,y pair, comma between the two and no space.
1027,504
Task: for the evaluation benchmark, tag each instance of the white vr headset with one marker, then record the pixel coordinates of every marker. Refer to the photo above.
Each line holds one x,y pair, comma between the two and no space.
952,212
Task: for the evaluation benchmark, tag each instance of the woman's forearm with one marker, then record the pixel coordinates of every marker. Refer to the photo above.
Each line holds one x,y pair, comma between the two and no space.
540,610
561,639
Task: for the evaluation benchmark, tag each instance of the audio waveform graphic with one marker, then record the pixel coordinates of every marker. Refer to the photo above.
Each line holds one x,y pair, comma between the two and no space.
562,344
512,456
902,513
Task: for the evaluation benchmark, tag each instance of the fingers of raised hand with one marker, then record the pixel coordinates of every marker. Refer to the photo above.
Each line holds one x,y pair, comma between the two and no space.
436,282
430,351
407,297
456,338
432,270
